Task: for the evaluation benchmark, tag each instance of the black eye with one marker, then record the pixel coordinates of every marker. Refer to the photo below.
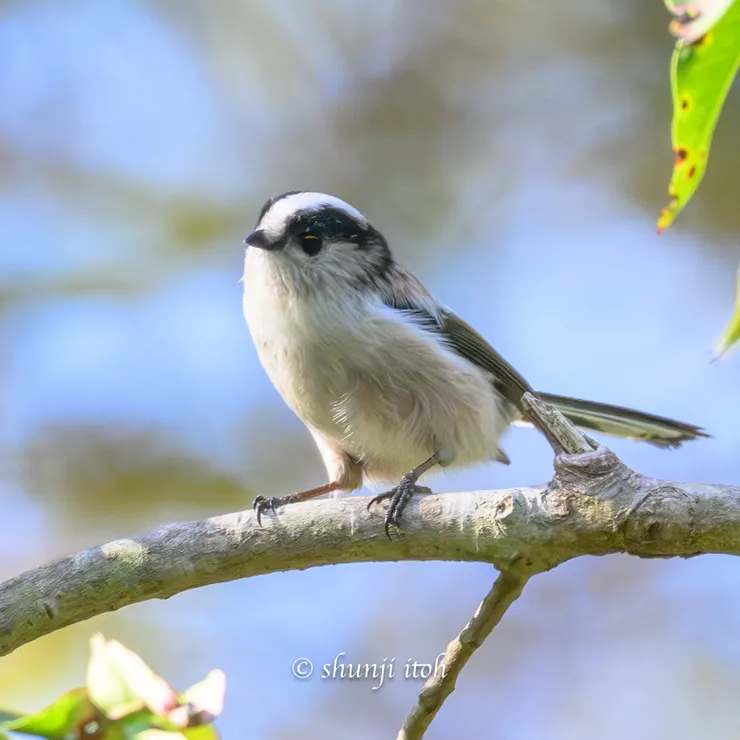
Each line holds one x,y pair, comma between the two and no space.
310,243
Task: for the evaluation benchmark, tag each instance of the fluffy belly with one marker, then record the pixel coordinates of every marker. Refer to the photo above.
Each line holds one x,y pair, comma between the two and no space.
378,387
394,420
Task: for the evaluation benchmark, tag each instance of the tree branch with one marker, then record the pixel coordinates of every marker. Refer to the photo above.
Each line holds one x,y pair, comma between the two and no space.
594,506
505,592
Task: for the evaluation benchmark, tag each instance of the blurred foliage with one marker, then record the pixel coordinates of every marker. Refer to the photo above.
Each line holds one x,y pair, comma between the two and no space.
731,334
124,699
90,475
67,718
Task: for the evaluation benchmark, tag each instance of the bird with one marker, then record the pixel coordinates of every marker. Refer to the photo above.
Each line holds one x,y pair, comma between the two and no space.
389,382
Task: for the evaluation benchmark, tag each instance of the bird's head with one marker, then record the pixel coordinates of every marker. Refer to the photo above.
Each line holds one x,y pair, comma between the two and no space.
315,240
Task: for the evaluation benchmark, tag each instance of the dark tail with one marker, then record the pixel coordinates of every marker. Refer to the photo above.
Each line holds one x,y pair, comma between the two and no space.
622,422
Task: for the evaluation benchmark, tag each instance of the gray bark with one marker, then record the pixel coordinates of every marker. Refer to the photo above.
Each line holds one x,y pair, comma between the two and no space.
593,506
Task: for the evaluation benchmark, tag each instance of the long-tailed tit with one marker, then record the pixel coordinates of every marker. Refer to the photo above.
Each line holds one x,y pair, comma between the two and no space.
389,382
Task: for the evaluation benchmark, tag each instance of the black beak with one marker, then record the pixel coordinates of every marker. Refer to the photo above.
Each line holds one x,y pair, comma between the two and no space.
259,239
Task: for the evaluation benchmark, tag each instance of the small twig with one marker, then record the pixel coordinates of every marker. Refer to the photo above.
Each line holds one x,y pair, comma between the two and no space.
505,591
561,434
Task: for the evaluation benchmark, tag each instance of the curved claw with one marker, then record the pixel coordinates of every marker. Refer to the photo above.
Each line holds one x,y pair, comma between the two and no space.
390,518
380,497
399,497
261,505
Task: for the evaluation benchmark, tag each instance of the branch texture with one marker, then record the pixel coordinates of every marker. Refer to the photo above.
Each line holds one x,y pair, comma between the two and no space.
594,505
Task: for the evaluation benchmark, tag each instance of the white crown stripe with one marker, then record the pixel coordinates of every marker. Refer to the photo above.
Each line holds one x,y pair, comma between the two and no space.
274,221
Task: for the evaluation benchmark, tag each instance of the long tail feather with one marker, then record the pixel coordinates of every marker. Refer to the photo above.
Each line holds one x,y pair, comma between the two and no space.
623,422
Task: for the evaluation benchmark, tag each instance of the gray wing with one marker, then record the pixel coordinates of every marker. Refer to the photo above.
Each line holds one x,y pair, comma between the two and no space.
412,298
468,343
404,292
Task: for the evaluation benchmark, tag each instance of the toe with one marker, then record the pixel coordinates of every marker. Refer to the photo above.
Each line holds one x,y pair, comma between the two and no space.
390,521
380,497
261,505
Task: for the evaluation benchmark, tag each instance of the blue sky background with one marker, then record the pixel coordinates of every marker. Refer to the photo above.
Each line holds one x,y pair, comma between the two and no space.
516,156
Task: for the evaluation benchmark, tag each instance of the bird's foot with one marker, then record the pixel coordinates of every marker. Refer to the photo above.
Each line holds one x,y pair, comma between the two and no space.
399,497
389,494
262,504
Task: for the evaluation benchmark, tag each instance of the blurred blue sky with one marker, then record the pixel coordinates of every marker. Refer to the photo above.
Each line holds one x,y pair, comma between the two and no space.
516,158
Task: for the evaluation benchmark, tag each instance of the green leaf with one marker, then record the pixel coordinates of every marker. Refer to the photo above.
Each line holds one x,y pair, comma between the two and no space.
132,725
68,712
701,75
731,334
202,732
115,731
